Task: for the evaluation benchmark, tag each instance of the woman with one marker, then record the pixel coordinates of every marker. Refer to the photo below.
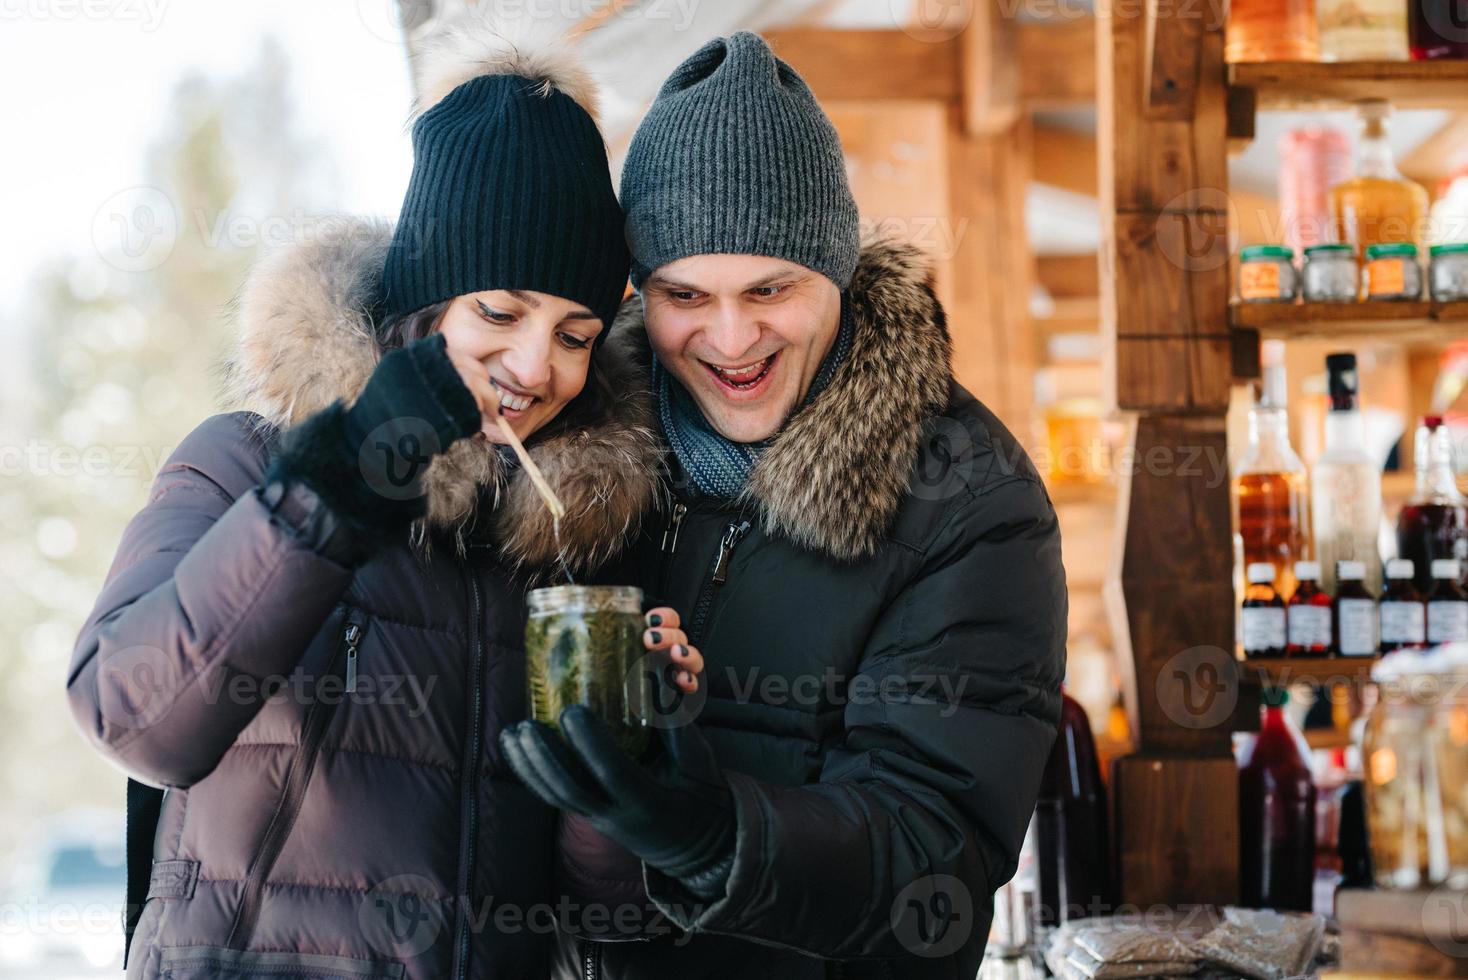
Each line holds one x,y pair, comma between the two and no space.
312,633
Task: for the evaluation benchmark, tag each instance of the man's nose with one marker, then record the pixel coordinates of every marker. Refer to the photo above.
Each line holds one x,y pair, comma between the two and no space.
731,334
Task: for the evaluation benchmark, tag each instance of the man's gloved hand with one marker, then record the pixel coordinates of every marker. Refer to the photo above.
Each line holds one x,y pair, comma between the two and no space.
367,462
676,815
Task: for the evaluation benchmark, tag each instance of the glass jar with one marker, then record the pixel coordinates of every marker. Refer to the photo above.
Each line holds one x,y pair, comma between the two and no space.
1415,762
1267,274
1330,274
1272,30
1392,272
1450,272
583,645
1362,30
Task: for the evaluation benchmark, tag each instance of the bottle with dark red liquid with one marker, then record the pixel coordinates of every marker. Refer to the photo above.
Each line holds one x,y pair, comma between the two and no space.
1276,815
1262,618
1447,604
1357,625
1070,826
1437,29
1307,617
1434,522
1402,609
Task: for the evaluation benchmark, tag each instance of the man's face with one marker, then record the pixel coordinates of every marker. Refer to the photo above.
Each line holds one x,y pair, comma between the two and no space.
744,334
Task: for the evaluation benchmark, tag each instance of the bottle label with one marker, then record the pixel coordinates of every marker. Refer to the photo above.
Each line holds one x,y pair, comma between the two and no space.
1358,627
1447,622
1310,626
1404,622
1264,628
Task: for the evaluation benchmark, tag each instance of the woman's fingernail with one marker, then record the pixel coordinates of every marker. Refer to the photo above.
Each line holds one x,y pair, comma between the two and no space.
680,651
655,637
654,619
685,677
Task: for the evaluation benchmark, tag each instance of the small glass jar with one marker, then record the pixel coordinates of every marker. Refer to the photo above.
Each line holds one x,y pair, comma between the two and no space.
583,645
1450,272
1392,272
1267,274
1330,274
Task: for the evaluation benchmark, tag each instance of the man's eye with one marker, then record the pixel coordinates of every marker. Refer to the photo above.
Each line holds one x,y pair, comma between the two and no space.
684,295
768,292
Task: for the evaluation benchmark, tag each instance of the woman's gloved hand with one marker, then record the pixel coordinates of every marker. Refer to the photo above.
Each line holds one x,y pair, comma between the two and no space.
367,462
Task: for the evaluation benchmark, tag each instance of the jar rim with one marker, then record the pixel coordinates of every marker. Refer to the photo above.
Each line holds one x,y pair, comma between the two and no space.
1450,248
1251,252
1386,249
1330,248
559,597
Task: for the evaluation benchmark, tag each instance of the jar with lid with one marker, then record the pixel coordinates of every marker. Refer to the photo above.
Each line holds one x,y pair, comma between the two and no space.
1392,272
1330,274
1272,30
1362,30
1415,761
1450,272
1267,274
583,645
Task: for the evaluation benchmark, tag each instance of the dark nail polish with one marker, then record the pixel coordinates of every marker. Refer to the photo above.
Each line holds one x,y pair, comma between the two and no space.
654,619
680,651
656,637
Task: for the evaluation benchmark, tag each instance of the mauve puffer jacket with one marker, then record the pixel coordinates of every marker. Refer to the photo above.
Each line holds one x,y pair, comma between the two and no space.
310,830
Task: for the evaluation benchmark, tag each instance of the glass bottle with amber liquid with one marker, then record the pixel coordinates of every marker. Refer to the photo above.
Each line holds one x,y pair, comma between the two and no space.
1378,205
1434,522
1270,485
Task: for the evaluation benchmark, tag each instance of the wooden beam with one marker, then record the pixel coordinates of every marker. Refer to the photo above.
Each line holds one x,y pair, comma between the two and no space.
1068,276
1056,63
1170,59
991,70
1066,159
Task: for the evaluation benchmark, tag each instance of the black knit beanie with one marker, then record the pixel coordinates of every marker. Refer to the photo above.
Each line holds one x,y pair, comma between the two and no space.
511,188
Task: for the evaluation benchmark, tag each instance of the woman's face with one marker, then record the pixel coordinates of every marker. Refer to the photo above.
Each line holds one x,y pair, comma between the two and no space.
535,346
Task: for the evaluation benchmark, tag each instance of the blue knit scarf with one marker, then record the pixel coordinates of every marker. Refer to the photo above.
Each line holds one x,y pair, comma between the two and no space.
717,466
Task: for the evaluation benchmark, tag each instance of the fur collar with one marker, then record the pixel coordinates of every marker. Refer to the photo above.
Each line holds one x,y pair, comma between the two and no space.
834,477
304,340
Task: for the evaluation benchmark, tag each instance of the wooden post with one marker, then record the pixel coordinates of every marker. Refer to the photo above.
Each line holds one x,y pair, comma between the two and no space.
1164,311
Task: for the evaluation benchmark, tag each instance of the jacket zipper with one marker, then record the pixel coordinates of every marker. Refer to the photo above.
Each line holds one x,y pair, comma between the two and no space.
468,783
590,960
298,776
351,641
675,524
718,575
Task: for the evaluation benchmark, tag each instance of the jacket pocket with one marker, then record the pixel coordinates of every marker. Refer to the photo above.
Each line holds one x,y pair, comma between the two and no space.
222,963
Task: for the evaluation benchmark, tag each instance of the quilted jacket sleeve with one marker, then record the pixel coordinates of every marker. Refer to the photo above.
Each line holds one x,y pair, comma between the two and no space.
217,576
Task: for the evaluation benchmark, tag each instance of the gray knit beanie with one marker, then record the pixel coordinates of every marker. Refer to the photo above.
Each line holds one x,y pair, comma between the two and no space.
736,157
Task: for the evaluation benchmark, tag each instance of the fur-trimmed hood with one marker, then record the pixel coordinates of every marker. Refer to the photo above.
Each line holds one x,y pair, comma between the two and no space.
834,477
304,339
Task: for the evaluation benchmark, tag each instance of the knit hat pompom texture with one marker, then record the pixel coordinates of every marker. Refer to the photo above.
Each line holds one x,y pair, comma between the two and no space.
511,188
736,157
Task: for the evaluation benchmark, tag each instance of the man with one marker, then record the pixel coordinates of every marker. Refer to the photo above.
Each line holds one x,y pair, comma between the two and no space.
864,554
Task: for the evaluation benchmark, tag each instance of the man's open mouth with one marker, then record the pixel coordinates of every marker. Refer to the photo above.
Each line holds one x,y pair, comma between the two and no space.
743,377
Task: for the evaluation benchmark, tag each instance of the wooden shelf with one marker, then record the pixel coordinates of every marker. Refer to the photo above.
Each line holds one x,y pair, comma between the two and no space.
1325,85
1318,670
1417,323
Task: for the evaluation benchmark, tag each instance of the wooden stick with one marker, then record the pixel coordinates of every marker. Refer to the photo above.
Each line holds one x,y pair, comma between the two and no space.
552,502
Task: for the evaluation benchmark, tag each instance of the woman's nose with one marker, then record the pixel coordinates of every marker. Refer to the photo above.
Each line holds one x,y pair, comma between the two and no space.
528,363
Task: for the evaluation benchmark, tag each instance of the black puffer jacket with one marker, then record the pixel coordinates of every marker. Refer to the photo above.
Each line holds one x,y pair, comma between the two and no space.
313,830
883,620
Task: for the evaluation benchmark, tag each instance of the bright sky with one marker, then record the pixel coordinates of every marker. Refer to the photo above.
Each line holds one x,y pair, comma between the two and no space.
86,83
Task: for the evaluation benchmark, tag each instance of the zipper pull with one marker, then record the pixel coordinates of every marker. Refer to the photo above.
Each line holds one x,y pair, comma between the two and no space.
350,636
674,525
732,535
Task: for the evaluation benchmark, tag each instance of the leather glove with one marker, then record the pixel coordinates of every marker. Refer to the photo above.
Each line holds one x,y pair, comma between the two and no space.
367,463
677,815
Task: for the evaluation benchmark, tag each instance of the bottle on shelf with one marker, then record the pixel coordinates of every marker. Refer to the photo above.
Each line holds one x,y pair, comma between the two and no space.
1270,484
1276,814
1433,524
1362,30
1447,604
1402,609
1070,825
1308,626
1378,206
1346,500
1262,618
1356,623
1438,29
1271,30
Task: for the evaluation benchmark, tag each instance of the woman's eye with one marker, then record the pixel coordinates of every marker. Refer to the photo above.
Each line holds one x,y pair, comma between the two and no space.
574,342
495,316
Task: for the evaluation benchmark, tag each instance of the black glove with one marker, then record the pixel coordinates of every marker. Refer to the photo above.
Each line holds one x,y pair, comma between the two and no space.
368,462
677,815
